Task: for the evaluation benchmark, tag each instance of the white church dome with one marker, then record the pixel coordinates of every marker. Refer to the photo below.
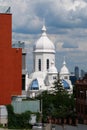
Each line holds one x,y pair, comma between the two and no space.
64,70
44,44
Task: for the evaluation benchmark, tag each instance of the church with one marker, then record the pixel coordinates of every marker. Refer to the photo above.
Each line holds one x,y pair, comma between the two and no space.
45,71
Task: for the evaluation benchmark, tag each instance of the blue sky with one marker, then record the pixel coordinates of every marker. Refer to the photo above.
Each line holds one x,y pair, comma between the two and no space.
66,22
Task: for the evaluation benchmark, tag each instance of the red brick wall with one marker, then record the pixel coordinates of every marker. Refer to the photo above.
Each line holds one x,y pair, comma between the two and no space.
5,30
10,62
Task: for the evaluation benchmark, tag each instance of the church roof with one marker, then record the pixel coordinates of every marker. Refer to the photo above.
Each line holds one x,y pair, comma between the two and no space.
44,44
64,70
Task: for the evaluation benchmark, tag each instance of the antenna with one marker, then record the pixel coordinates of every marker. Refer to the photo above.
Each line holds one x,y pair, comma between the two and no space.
8,10
43,21
64,63
64,58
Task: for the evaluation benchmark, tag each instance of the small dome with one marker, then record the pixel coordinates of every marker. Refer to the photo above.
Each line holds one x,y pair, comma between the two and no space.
52,69
44,44
64,69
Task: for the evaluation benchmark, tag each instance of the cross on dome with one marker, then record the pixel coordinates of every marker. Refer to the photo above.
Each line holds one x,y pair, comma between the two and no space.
44,28
44,44
64,63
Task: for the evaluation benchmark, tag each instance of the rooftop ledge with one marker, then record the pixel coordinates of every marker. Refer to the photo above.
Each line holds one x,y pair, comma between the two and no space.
5,9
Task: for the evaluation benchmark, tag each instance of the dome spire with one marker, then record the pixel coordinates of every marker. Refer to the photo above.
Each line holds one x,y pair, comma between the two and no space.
64,70
64,63
44,44
44,28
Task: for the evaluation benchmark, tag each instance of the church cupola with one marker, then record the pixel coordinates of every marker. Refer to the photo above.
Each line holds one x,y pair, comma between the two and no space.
64,72
44,44
43,52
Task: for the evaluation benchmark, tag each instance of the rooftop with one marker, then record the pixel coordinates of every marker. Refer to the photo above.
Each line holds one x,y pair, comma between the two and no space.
82,81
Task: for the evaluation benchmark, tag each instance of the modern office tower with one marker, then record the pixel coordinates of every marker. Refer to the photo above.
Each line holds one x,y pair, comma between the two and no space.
76,72
82,73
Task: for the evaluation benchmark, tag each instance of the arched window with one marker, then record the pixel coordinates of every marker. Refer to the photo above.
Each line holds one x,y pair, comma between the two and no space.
65,77
47,63
65,84
34,85
39,64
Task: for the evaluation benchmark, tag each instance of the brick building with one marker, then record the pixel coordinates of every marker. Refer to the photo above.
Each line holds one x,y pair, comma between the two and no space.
10,62
81,98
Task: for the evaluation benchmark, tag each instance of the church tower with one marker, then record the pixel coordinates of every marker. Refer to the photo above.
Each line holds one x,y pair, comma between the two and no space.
45,71
43,53
64,72
65,78
44,65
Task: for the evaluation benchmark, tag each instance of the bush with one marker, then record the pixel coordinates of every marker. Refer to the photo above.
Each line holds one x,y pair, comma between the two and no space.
18,121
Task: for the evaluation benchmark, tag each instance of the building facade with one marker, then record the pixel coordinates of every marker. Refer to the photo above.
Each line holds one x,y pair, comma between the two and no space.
10,61
81,98
20,44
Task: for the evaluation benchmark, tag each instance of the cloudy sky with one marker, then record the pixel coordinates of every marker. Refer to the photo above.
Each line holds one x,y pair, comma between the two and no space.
66,22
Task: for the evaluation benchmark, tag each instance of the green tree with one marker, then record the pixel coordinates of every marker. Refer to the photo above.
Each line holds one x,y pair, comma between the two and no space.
57,103
47,103
57,86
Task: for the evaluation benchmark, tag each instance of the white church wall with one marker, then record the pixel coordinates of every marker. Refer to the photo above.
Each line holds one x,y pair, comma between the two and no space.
43,57
51,58
37,57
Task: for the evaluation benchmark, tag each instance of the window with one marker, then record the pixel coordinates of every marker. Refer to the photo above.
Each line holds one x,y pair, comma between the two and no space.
86,94
34,85
39,64
54,77
82,108
78,107
65,77
23,61
23,82
65,84
86,109
47,63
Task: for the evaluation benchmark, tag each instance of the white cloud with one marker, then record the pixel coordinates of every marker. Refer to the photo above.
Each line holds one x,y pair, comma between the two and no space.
68,13
66,20
74,4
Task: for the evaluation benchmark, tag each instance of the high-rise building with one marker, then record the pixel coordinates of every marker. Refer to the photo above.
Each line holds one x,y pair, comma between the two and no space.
82,73
77,72
10,60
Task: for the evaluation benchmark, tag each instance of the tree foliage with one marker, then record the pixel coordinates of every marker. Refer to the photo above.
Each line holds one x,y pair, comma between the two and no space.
18,121
57,85
57,103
